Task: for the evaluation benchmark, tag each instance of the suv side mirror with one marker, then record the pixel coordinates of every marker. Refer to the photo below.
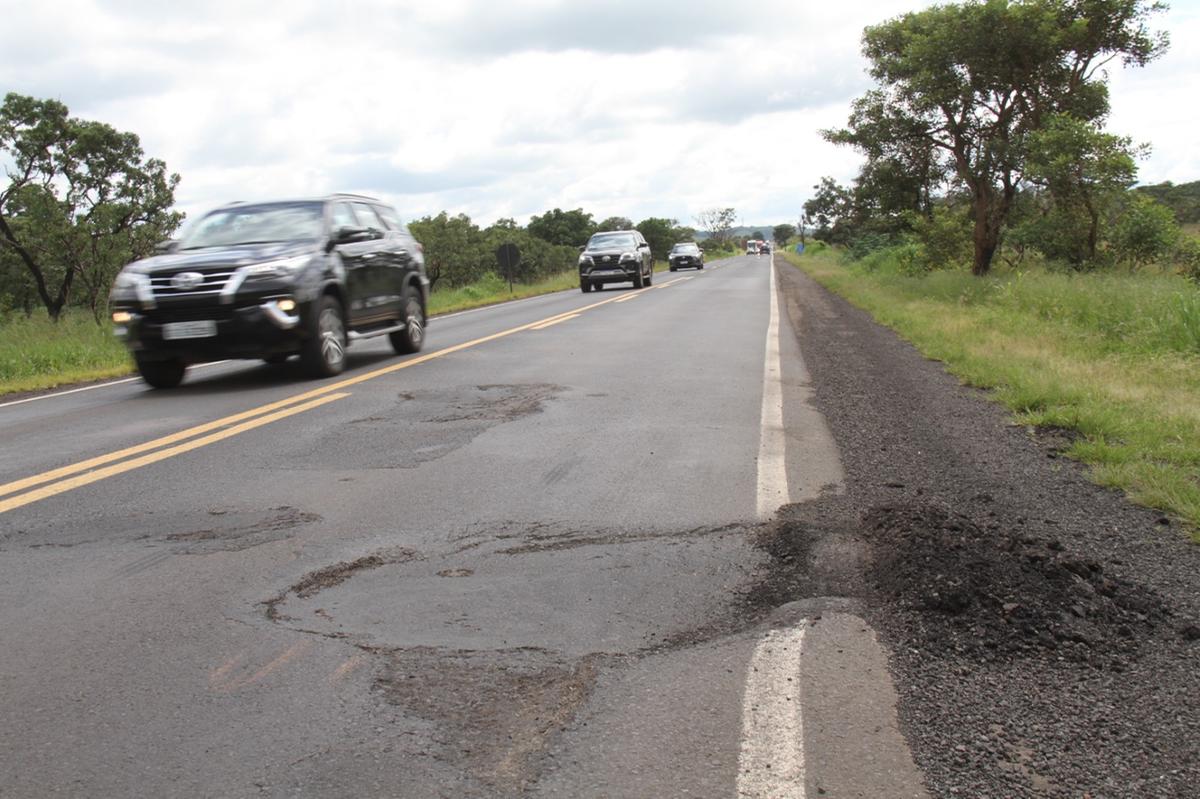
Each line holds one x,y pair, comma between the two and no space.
349,234
169,245
643,245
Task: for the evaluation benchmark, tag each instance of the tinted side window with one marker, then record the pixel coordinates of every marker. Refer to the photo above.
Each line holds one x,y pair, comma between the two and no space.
342,216
390,218
367,217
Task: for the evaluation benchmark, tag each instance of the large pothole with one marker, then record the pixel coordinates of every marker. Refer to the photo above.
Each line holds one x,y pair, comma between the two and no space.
571,592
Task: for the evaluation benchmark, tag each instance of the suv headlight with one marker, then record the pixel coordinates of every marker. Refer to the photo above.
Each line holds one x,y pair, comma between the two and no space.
585,260
132,285
628,256
285,267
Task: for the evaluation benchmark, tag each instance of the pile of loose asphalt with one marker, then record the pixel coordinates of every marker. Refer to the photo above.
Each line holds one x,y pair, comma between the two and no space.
1045,633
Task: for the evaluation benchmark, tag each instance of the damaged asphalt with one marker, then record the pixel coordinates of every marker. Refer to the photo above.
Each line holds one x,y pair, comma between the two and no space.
535,569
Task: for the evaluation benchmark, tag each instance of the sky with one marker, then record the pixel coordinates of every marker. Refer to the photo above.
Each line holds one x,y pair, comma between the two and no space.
631,108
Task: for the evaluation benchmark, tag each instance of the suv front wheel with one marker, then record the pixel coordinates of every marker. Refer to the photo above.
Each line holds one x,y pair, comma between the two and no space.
324,352
160,373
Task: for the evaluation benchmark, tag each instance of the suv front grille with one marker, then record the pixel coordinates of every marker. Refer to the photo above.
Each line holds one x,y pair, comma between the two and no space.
214,279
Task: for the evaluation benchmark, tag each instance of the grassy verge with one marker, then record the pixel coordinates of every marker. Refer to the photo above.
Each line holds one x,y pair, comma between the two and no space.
36,353
1115,358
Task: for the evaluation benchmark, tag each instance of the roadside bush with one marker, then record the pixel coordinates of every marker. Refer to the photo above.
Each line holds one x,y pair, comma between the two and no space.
864,244
945,238
1144,233
1187,257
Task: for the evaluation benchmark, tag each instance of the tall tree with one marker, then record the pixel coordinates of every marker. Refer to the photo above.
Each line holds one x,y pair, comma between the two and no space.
829,211
571,228
616,223
973,80
81,198
455,251
717,222
781,233
660,235
1084,171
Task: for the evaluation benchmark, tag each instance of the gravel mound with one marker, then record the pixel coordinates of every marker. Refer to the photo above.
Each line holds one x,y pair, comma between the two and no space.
972,592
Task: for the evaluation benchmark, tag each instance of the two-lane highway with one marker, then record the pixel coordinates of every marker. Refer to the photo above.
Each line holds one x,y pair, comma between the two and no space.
513,564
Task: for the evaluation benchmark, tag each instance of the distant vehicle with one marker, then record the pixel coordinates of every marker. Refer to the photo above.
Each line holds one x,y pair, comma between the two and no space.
751,247
616,256
274,279
686,254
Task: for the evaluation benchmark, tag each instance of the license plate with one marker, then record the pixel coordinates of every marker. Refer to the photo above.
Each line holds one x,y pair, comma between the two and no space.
201,329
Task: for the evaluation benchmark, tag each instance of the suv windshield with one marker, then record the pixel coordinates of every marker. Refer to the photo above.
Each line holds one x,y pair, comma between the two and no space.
612,241
255,224
684,248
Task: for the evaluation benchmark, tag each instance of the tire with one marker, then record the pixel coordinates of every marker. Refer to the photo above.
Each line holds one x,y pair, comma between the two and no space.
585,286
650,276
701,266
324,351
637,279
412,337
161,374
673,268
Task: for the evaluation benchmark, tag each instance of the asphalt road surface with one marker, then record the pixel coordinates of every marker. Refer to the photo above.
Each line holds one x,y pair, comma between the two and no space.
515,564
598,545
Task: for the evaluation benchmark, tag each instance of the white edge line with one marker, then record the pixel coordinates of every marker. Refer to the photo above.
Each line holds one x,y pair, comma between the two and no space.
772,446
95,386
771,757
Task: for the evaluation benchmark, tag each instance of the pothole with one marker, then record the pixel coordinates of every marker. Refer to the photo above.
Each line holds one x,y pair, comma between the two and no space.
566,591
425,426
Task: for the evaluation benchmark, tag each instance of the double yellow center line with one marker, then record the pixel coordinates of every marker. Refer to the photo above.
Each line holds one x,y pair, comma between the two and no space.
56,481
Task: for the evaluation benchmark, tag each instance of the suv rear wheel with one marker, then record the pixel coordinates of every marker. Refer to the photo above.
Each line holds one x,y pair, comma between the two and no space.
412,337
324,352
159,373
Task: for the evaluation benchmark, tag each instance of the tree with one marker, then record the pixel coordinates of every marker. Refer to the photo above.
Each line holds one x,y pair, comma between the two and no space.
455,250
781,233
81,199
830,210
660,235
616,223
972,81
717,222
571,228
1083,171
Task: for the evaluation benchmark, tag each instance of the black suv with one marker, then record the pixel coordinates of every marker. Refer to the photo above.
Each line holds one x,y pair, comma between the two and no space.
274,279
686,254
616,256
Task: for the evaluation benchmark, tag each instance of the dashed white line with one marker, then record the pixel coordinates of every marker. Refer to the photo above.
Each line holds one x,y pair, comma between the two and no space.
771,759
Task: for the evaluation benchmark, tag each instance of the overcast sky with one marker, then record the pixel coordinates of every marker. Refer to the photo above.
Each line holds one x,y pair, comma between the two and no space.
622,107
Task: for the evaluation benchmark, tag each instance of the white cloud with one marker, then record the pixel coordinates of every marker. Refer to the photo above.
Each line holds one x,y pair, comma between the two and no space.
625,107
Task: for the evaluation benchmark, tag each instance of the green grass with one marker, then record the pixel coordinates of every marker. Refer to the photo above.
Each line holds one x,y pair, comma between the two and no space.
1113,356
36,353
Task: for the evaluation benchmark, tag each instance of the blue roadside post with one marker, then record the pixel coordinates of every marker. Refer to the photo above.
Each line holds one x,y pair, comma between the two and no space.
799,248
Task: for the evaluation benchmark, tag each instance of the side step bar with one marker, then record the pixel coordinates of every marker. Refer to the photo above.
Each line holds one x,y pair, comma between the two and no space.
354,335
